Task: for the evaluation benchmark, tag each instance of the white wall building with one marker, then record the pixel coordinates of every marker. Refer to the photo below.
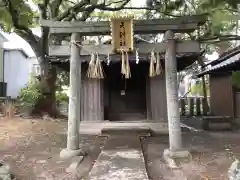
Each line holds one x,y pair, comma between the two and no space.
16,64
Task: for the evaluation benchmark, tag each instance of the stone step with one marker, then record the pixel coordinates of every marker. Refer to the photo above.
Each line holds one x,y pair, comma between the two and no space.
121,159
126,131
131,116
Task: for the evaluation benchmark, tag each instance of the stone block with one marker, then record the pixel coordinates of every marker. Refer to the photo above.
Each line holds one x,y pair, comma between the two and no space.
68,153
172,158
234,171
127,131
5,173
74,164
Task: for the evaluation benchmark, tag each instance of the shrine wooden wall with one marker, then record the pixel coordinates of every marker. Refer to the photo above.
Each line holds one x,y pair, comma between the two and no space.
221,94
92,99
156,99
94,94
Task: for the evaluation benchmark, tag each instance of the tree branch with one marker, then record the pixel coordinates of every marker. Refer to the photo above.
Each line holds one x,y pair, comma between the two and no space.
74,9
54,6
84,6
43,8
113,2
45,31
86,15
233,10
104,7
25,31
122,7
26,37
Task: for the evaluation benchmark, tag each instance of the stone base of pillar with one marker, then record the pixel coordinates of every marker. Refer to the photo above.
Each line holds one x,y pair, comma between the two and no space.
76,161
171,158
68,153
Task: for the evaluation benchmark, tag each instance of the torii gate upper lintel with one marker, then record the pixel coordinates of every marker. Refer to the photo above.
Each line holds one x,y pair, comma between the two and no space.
177,25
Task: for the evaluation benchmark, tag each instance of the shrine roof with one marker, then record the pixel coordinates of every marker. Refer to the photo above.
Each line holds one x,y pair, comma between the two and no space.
183,59
186,56
228,61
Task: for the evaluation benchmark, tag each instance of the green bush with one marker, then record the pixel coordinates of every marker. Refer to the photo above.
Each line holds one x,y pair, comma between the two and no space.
236,79
61,97
30,94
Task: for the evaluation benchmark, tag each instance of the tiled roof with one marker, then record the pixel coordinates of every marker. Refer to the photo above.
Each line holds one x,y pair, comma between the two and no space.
225,60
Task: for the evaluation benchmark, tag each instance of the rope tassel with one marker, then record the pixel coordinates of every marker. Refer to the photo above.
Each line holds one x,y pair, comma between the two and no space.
128,72
95,69
125,69
159,69
99,69
91,67
137,57
108,59
152,72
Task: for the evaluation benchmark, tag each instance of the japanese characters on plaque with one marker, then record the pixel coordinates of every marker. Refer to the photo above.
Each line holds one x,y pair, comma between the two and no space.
122,34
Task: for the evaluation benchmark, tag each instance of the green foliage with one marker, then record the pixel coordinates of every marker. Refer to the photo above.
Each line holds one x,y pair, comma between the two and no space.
24,12
221,24
62,79
61,97
198,89
216,3
30,94
236,79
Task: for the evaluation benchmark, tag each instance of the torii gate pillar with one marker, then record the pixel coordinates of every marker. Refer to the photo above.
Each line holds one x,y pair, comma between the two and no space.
174,125
74,113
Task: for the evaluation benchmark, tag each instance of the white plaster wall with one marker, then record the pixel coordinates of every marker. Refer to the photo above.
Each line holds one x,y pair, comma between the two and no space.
17,69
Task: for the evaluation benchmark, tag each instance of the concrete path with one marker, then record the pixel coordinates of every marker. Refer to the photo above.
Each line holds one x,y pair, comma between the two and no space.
121,159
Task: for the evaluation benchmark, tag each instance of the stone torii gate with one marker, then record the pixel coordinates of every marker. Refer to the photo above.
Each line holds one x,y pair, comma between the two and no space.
77,55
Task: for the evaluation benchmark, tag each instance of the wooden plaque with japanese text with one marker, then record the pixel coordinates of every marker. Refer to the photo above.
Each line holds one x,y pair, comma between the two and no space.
122,34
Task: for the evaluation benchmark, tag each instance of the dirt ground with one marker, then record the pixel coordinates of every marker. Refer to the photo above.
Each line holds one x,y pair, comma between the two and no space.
212,155
32,147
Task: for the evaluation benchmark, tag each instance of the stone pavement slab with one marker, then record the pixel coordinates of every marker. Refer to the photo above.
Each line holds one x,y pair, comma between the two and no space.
96,127
121,159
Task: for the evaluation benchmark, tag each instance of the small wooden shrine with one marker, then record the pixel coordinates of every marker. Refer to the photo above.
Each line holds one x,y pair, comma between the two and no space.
128,78
126,64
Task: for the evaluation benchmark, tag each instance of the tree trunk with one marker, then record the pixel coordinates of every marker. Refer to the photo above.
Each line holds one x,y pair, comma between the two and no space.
48,77
47,103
